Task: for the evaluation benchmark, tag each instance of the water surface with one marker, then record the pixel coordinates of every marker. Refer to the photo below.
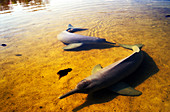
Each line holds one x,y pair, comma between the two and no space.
32,57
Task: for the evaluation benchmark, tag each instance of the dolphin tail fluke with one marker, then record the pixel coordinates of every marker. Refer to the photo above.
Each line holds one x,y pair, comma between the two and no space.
131,46
69,93
135,48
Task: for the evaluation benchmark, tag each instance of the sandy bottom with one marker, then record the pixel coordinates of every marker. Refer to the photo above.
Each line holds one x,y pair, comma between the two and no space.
29,65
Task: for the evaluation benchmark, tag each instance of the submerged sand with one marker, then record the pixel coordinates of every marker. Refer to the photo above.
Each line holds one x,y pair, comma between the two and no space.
29,65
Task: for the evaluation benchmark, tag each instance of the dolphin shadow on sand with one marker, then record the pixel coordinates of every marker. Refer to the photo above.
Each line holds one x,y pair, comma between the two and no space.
147,68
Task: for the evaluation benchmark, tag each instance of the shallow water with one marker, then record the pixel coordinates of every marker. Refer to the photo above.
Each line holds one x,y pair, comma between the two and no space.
33,56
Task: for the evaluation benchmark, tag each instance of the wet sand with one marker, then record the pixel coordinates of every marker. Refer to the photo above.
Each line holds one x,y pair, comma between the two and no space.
31,60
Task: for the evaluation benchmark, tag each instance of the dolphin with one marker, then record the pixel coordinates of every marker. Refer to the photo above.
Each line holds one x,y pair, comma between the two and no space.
72,29
75,40
111,76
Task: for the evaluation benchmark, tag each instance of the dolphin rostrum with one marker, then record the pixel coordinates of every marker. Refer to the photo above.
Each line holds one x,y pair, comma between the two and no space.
75,40
110,77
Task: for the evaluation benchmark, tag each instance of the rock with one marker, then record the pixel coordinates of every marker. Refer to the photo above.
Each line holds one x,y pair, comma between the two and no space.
3,45
18,54
64,72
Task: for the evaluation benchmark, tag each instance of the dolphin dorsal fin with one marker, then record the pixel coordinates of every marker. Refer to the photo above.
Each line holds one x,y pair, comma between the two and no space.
96,69
70,26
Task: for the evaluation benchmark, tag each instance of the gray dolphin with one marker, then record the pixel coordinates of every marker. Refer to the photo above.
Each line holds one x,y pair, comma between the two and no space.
110,77
75,40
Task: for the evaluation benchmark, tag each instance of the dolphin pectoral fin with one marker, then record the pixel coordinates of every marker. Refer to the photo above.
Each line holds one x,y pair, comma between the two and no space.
72,46
96,68
124,89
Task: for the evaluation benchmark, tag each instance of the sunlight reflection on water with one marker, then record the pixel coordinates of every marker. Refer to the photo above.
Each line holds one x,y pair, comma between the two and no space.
9,6
17,15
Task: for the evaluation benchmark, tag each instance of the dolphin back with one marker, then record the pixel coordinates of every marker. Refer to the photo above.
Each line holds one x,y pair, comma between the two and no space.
67,37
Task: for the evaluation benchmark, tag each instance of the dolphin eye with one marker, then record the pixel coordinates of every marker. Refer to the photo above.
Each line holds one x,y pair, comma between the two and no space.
83,84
